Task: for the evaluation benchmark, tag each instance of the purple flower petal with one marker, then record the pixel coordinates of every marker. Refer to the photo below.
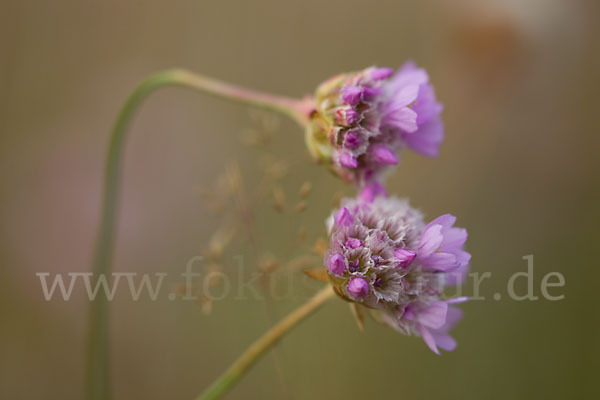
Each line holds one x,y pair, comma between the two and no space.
445,220
431,240
348,160
353,243
371,191
369,93
383,155
401,117
441,261
456,300
444,340
353,139
408,74
428,338
434,316
454,239
406,96
439,336
427,139
458,275
427,107
405,257
343,217
462,257
351,95
378,74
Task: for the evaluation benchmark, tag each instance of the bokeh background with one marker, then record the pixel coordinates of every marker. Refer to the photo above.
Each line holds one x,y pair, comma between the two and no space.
519,167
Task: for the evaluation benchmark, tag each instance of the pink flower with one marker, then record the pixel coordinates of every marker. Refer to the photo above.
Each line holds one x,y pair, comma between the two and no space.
367,117
383,256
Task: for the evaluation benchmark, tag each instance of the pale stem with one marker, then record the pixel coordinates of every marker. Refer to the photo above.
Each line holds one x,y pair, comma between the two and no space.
264,343
96,387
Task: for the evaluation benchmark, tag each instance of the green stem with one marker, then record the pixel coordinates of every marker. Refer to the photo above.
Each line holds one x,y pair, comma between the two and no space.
97,361
258,348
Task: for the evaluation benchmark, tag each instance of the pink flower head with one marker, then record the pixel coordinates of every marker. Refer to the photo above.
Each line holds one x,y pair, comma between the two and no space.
367,117
384,256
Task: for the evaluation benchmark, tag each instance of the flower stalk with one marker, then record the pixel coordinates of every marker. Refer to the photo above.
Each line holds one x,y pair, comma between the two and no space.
96,387
264,343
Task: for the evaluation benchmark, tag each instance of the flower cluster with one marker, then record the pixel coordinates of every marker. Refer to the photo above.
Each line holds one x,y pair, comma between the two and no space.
383,256
363,119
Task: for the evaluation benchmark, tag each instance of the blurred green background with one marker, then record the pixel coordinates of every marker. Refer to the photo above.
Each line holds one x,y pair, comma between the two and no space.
519,167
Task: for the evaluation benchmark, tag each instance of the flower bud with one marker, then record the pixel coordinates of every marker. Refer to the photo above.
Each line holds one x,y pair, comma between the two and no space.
337,264
405,257
358,288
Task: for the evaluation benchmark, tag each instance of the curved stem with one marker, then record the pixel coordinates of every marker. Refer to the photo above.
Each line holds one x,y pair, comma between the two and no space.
97,361
265,342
